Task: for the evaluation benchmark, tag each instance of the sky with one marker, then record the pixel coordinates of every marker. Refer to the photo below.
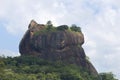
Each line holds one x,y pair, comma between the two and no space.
98,19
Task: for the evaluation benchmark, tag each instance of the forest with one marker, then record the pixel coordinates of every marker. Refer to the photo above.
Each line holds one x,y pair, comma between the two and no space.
34,68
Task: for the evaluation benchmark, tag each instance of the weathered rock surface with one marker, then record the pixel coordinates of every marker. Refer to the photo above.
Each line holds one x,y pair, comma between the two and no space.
57,45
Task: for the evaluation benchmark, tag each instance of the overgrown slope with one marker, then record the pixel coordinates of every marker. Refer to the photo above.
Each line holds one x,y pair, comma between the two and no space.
33,68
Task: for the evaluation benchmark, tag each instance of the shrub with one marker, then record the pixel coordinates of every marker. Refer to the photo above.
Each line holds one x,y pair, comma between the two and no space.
34,68
49,25
107,76
75,28
62,27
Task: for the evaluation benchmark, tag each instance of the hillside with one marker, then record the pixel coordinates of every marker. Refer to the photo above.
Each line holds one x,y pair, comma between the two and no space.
33,68
51,53
61,43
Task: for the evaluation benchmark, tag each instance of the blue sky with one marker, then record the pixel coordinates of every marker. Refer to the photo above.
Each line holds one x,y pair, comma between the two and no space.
99,20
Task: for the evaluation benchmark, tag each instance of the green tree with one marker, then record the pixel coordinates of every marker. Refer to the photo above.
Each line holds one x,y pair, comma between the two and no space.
75,28
62,27
49,25
49,22
107,76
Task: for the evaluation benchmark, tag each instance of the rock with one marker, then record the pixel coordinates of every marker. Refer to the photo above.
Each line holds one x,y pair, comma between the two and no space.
55,45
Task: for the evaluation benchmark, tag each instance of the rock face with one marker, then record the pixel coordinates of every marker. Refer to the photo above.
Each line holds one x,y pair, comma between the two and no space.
59,45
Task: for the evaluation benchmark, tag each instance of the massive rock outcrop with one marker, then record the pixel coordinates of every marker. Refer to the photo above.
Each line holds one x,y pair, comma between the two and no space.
55,45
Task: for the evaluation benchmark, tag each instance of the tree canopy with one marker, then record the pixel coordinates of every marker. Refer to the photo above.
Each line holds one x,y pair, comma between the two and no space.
75,28
34,68
107,76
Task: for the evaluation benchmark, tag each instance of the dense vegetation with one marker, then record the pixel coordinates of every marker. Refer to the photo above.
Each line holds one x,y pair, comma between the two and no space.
49,27
34,68
107,76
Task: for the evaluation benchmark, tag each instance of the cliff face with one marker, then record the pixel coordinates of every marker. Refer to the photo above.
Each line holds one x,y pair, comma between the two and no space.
58,45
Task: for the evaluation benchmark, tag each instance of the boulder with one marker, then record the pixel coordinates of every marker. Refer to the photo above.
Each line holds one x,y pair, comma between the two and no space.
55,45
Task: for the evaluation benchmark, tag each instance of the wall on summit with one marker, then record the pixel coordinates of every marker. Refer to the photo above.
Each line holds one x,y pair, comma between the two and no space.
56,44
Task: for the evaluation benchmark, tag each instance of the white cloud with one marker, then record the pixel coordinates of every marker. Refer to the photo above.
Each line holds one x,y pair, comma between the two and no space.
18,14
99,20
103,30
4,52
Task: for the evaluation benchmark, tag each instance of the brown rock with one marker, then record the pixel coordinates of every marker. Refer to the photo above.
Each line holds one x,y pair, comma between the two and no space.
65,46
